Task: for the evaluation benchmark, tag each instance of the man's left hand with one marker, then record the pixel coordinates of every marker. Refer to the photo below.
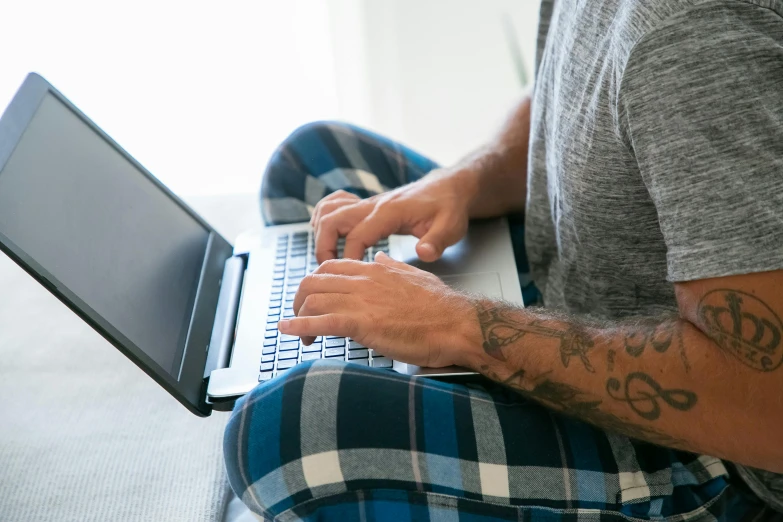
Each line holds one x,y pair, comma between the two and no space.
398,310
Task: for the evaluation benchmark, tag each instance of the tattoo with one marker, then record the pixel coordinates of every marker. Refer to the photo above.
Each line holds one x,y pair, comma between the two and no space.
499,329
744,326
503,325
496,330
573,402
574,342
659,337
642,393
516,379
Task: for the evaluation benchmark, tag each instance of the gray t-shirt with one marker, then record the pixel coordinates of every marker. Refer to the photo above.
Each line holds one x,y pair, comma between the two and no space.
656,152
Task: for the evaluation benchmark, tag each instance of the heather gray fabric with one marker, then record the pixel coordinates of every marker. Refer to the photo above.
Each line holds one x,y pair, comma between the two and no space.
656,151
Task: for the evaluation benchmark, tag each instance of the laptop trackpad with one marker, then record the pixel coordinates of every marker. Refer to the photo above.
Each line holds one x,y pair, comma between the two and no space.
484,283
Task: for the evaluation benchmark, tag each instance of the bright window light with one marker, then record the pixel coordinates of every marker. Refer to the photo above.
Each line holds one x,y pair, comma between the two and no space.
199,92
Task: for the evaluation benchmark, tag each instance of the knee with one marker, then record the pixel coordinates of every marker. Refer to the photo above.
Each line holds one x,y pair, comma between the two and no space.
288,183
311,130
303,138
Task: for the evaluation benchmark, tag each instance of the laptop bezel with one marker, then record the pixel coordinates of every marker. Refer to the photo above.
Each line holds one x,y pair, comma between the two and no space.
189,389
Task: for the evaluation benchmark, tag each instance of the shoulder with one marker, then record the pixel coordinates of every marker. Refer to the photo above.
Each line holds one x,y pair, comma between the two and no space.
676,29
635,20
702,45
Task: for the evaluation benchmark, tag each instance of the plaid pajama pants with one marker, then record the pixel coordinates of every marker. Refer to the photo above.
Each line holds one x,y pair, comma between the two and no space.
332,441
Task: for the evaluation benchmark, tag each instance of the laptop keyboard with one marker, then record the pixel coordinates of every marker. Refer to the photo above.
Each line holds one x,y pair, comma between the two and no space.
295,258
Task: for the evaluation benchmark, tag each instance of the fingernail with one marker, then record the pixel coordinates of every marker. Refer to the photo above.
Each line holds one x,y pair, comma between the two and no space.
283,323
428,248
380,254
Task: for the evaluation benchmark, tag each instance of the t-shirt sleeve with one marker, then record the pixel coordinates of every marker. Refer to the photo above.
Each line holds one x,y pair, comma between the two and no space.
701,104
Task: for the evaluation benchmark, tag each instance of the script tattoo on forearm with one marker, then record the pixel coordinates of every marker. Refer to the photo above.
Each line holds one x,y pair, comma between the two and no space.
503,325
657,334
658,337
573,402
500,328
744,326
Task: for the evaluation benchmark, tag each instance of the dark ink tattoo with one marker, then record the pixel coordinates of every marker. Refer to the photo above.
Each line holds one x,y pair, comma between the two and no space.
574,342
610,355
515,380
658,334
499,330
496,331
659,337
642,394
744,326
573,402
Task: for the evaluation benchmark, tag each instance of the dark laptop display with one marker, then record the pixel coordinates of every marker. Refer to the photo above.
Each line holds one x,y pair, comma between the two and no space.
102,229
108,239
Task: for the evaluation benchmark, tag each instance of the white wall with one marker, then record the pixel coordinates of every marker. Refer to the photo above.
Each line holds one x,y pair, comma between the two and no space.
200,92
438,73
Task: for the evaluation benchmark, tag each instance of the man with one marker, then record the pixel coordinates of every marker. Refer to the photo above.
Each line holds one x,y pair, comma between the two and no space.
648,165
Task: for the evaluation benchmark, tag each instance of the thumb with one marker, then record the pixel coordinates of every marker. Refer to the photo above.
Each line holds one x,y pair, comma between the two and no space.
446,230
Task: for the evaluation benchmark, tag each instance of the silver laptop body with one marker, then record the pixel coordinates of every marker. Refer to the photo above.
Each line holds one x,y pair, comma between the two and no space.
87,221
482,263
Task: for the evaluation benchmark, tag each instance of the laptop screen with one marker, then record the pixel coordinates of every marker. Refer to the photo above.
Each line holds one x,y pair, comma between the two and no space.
104,230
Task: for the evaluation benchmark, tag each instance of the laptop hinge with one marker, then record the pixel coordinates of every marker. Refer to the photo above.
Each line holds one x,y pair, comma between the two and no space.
222,340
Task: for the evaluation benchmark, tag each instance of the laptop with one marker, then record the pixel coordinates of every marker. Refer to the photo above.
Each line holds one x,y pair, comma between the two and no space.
195,313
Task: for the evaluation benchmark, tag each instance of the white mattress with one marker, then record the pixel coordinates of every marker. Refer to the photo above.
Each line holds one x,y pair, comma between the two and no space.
84,434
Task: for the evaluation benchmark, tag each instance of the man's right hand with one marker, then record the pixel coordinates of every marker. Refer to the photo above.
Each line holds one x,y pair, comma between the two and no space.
434,209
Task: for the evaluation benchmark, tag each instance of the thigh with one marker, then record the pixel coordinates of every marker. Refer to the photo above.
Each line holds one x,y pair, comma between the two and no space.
335,441
320,158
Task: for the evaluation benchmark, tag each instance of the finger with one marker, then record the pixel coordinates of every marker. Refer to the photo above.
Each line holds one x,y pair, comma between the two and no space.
380,223
347,267
447,228
337,194
330,228
330,324
322,304
330,202
319,304
421,228
327,207
324,284
384,259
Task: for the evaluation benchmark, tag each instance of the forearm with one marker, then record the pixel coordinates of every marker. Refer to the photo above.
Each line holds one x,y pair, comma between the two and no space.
496,174
660,380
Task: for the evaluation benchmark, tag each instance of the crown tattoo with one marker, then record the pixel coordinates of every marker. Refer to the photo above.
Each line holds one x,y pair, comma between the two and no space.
745,326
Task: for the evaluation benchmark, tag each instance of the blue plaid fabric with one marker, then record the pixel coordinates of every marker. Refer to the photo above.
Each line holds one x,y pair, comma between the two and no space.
332,441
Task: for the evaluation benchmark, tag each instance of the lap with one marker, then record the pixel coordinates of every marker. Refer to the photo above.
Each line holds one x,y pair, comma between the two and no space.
335,441
330,441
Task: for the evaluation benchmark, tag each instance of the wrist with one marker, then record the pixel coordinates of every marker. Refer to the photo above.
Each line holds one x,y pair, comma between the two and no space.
492,184
468,339
468,181
460,184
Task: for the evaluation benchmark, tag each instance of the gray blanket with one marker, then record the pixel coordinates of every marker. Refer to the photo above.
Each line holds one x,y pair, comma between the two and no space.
84,434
